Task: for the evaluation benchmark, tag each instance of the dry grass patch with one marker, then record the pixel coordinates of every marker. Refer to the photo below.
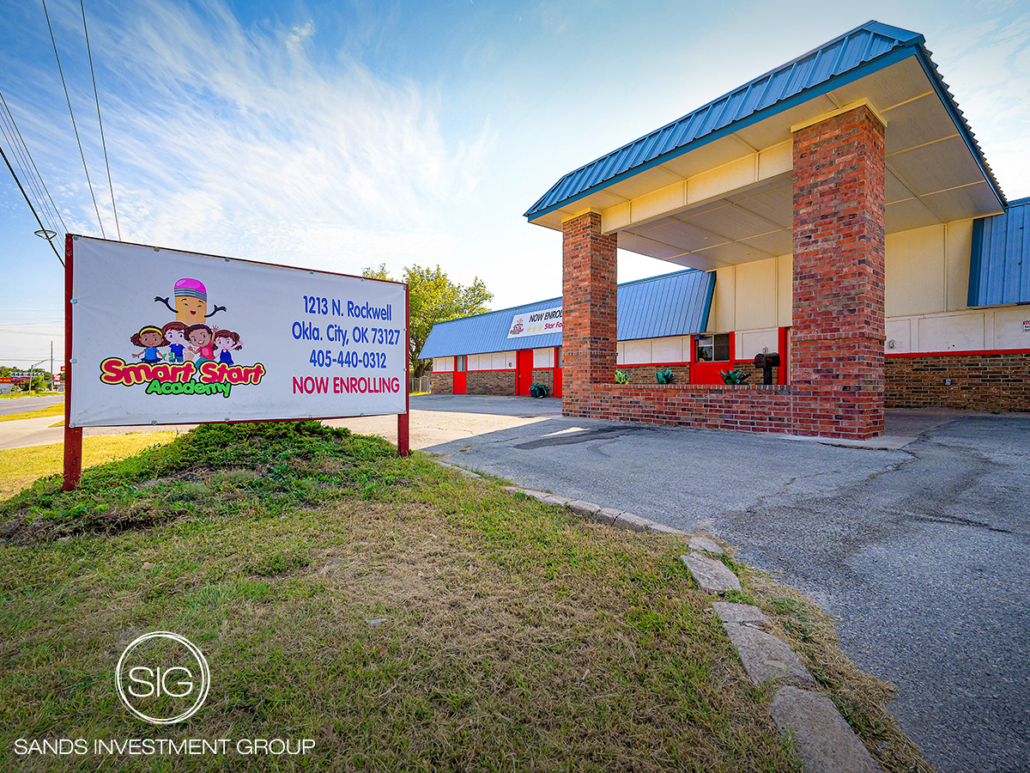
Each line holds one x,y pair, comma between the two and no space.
405,619
21,467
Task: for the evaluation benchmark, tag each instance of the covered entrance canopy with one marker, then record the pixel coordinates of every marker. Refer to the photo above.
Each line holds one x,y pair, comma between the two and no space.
815,161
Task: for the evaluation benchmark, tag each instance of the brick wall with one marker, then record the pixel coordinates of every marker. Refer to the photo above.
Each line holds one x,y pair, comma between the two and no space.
644,374
545,377
490,382
748,366
588,303
755,409
984,382
441,383
794,410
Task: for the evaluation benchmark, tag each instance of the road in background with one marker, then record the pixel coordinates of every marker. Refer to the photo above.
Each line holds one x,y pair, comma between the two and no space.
27,404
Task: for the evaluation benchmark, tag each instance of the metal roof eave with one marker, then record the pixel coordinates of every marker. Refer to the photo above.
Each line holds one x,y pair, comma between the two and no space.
891,57
959,119
911,46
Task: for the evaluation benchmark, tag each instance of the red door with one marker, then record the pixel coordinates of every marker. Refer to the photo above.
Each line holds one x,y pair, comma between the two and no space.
459,375
557,371
707,368
523,371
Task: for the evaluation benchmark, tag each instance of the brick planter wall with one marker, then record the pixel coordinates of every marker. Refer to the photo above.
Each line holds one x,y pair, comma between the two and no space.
644,374
490,382
985,382
793,410
441,383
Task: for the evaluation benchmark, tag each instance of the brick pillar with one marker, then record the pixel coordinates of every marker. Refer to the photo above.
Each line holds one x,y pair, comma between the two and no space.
837,329
588,308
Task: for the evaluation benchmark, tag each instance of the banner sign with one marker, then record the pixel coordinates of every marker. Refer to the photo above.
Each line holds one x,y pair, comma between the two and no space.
536,323
166,337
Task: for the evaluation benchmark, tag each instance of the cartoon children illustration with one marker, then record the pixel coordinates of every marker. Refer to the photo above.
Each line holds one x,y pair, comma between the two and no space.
225,342
203,342
190,302
150,338
175,333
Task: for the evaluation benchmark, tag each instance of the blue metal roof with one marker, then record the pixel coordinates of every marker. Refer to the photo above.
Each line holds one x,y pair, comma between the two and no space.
853,55
999,265
669,305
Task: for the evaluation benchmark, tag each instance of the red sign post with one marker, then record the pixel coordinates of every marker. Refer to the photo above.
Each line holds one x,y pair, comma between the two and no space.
72,435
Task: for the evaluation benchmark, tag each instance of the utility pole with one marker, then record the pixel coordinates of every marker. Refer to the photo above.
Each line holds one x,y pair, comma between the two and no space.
51,366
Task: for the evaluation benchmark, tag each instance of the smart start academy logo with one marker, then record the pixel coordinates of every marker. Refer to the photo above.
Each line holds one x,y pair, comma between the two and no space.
162,678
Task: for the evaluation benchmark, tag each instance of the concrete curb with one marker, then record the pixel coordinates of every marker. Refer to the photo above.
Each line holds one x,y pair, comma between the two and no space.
823,739
606,515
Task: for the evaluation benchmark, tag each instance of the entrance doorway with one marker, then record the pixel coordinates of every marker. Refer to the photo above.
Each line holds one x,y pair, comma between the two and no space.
460,376
712,355
523,371
557,371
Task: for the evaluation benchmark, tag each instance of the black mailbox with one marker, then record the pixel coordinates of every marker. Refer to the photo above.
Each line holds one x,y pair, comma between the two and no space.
767,362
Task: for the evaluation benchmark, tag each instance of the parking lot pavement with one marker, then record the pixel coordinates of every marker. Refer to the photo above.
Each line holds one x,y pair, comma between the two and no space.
923,552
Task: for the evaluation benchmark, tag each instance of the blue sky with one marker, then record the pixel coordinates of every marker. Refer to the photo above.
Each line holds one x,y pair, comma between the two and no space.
342,135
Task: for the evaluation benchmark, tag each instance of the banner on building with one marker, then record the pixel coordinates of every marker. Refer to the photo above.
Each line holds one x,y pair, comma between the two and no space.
166,337
536,323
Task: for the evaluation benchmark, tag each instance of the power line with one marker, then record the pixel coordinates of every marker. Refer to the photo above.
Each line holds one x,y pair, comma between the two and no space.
18,156
29,154
21,150
18,159
72,114
30,204
110,185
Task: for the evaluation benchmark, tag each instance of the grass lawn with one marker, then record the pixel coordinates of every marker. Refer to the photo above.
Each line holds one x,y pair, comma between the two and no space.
20,467
505,634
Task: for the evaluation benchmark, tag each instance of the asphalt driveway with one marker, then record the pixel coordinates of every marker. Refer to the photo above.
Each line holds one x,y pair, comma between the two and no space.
923,552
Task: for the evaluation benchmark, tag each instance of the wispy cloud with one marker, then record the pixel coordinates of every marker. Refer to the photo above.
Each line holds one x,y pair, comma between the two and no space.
233,140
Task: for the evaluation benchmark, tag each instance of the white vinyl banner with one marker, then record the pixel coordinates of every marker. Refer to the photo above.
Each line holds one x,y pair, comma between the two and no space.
164,337
536,323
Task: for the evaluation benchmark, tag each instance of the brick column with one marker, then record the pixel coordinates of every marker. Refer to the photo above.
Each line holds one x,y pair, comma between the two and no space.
588,308
838,322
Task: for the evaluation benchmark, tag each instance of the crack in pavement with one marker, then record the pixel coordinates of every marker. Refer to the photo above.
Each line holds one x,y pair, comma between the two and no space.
949,519
600,433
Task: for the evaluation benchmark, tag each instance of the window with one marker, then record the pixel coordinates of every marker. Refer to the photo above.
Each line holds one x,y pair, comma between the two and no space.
713,348
459,363
557,357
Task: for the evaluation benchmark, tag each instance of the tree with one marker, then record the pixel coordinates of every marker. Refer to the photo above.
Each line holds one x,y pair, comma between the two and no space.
432,298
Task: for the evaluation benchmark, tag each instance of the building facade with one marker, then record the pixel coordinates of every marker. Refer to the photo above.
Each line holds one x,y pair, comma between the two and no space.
849,222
